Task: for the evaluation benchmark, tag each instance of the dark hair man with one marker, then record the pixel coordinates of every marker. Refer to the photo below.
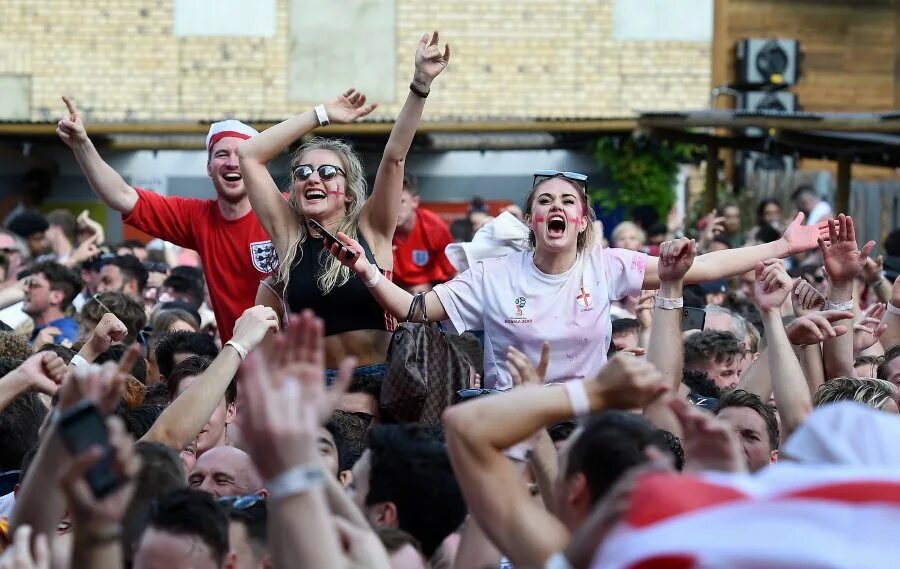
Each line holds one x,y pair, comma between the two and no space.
125,274
186,528
49,291
755,424
175,347
718,354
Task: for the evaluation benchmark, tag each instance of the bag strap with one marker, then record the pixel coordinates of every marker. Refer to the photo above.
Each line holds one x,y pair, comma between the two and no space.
417,300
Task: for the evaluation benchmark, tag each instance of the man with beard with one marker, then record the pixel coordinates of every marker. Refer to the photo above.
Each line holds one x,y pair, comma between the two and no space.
235,250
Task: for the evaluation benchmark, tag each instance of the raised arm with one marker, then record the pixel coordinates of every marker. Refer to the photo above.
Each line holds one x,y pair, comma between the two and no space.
773,285
275,214
478,432
843,263
719,265
185,416
390,296
109,186
666,347
380,211
41,372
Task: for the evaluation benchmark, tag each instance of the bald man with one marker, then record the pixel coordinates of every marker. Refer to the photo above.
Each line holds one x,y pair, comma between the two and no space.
226,471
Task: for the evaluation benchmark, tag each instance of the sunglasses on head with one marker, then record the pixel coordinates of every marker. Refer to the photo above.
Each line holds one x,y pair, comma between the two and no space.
580,180
303,172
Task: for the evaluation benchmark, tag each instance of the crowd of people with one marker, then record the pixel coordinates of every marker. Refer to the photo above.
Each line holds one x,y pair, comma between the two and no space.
632,397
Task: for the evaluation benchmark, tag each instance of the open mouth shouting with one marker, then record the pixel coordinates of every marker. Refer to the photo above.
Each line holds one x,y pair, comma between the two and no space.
314,195
556,225
232,177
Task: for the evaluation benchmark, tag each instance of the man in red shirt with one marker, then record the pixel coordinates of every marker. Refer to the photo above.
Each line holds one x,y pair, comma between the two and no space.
419,242
235,250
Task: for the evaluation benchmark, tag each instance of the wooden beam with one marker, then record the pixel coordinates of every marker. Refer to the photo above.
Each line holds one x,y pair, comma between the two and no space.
363,128
844,175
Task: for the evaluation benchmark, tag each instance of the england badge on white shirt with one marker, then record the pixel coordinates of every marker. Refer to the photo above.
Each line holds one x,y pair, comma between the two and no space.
584,300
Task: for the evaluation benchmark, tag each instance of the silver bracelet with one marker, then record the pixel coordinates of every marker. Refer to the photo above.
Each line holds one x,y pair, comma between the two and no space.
296,480
670,303
839,305
321,115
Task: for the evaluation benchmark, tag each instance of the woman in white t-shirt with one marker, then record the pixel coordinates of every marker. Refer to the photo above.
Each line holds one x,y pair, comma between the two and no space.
560,292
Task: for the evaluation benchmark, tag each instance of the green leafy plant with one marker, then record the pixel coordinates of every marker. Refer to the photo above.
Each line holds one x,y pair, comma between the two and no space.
644,172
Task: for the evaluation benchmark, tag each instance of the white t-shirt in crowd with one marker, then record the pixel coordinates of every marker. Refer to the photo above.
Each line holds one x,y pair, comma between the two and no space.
818,213
515,304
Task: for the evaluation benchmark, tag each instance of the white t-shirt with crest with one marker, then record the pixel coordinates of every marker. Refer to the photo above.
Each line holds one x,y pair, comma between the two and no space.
516,304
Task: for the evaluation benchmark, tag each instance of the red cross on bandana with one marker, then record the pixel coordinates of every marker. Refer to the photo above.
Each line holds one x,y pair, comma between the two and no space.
584,299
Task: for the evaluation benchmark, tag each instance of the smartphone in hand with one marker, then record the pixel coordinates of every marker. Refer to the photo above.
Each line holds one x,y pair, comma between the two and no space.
81,428
331,239
692,319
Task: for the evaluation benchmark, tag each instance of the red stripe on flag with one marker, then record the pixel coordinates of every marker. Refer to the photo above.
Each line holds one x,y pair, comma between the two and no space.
658,497
880,492
673,561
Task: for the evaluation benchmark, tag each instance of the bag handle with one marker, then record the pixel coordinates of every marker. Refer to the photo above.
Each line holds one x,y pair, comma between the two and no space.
418,301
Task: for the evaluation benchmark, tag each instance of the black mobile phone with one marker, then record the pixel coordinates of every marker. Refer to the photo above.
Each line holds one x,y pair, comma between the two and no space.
81,428
330,238
693,319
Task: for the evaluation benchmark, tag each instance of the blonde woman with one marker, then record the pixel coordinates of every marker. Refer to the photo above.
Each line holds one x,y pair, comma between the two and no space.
560,292
328,186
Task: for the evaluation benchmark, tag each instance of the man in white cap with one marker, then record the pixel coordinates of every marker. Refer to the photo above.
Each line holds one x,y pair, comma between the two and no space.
235,250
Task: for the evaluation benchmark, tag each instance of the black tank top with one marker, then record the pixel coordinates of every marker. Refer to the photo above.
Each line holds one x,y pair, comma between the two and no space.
347,307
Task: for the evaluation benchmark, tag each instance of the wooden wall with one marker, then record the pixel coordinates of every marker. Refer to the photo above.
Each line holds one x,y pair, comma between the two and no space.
850,49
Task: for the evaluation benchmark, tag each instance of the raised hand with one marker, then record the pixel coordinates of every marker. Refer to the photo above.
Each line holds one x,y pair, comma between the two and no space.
284,399
523,371
773,285
675,258
873,269
70,129
867,330
42,372
359,264
110,330
89,512
644,309
843,259
430,62
713,226
806,298
86,224
348,107
799,238
253,326
86,251
709,443
815,327
627,382
18,554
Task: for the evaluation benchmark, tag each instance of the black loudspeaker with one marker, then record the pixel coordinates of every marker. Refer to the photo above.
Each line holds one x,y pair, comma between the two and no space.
767,61
768,102
750,165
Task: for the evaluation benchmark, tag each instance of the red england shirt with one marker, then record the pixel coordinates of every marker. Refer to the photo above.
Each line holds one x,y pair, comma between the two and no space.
236,255
419,257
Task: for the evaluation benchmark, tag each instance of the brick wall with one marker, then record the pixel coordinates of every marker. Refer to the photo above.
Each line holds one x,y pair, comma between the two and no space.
120,61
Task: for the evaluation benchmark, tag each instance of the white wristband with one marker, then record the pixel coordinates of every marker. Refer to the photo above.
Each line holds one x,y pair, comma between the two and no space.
558,561
520,451
296,480
839,305
578,397
893,309
241,350
374,280
78,361
321,115
669,303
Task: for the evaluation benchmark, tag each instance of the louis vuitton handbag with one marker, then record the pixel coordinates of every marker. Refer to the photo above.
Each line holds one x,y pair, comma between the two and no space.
424,370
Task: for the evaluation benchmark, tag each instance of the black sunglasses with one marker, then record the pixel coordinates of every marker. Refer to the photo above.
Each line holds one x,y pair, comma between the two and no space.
326,172
543,175
9,250
156,267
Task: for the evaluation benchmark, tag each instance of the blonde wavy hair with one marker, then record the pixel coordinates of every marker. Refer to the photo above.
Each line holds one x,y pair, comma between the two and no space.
333,273
869,391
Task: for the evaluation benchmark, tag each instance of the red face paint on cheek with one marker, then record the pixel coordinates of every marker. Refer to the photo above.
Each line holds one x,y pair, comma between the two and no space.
337,192
539,219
